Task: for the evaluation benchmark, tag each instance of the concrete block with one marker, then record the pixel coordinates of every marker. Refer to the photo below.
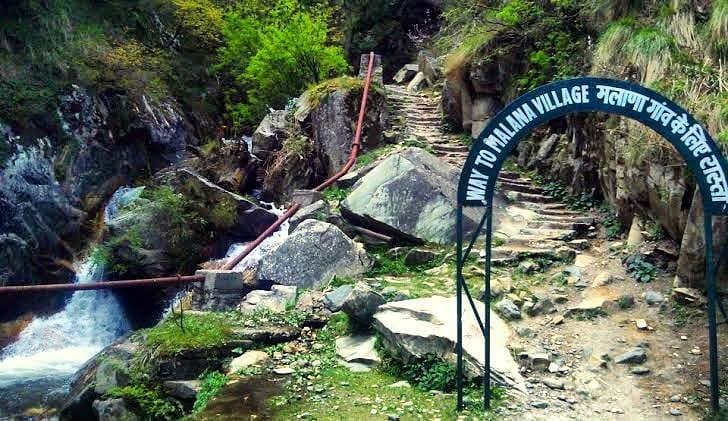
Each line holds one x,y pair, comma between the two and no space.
306,197
223,279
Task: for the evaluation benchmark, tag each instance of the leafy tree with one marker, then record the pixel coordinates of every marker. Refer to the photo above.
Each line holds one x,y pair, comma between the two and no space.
273,52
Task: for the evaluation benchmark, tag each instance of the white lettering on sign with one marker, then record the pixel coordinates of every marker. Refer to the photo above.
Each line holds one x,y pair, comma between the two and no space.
692,136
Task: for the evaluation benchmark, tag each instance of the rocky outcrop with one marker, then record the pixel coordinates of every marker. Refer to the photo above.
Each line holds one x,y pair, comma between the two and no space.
313,253
410,196
427,326
270,134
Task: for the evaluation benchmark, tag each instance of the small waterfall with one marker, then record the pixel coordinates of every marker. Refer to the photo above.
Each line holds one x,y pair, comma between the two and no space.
36,369
270,243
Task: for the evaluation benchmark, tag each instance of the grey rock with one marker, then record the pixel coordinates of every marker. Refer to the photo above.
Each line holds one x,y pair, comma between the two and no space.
276,300
542,306
417,83
114,410
406,73
270,134
182,389
416,257
248,359
654,298
639,370
675,412
508,309
111,373
540,404
427,215
311,255
528,266
554,383
359,349
362,303
414,328
333,300
429,66
635,356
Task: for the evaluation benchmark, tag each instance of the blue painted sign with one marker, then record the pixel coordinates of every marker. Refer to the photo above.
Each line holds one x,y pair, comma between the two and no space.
522,116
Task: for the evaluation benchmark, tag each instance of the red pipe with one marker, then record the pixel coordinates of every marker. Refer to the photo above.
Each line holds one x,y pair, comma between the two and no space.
232,263
345,169
103,285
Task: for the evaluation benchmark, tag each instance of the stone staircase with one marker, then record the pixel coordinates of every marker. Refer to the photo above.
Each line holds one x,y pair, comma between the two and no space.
549,235
418,115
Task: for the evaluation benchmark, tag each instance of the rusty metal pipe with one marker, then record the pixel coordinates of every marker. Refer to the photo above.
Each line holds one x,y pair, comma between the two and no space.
345,169
102,285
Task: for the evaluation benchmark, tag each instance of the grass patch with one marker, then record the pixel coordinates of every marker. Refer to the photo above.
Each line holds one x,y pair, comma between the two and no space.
335,194
353,396
210,386
370,157
189,331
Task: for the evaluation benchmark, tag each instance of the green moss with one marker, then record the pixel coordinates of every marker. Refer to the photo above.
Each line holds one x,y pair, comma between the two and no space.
152,403
224,214
335,193
198,331
318,93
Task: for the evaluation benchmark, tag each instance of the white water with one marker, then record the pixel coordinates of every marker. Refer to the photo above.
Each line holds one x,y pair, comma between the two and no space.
51,349
270,243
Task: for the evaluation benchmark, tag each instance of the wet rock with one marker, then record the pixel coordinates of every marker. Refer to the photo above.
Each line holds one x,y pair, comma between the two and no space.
361,303
111,373
428,214
182,389
637,355
275,300
358,349
414,328
508,309
314,253
248,359
114,410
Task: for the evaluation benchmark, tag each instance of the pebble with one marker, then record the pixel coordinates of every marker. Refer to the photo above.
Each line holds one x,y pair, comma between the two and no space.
683,338
635,356
640,370
641,324
554,383
675,412
675,398
695,351
654,298
540,404
403,383
283,370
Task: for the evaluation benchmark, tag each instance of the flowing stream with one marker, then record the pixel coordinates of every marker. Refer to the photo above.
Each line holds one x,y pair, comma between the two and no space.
35,370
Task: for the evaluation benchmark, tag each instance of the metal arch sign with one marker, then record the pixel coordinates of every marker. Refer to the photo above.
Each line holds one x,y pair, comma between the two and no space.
588,94
539,106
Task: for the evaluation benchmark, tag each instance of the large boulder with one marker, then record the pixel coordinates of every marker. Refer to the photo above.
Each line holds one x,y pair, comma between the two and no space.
270,134
411,196
427,326
311,255
406,73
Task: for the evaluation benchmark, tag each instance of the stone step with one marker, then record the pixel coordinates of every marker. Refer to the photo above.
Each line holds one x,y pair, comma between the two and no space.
529,197
548,234
519,187
558,212
450,148
566,219
533,241
511,256
579,227
510,175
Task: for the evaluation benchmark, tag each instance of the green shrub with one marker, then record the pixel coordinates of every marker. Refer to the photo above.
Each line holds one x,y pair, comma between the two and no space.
335,193
429,372
210,385
640,269
224,214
